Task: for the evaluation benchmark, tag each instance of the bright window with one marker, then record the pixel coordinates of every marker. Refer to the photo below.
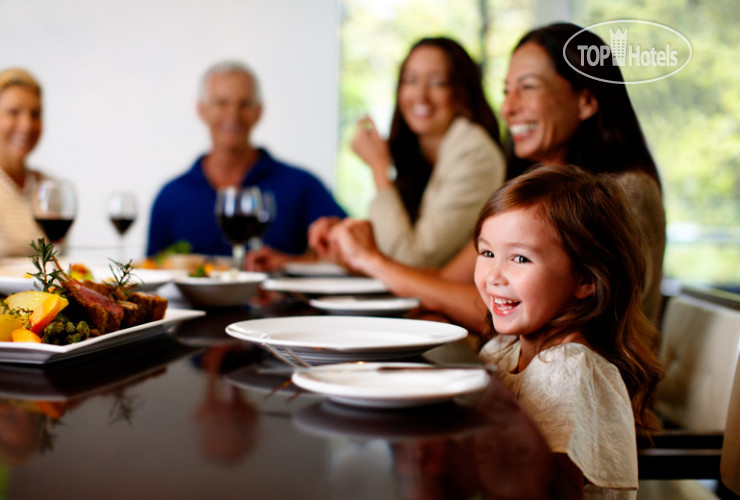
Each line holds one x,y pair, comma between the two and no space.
691,119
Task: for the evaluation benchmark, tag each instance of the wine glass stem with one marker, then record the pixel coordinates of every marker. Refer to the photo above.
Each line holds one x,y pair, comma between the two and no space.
256,243
240,253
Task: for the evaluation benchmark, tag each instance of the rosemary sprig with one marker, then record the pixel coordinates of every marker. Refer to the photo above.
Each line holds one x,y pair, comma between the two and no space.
122,273
46,255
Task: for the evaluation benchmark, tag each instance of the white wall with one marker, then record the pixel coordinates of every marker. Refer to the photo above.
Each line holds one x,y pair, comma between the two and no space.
120,82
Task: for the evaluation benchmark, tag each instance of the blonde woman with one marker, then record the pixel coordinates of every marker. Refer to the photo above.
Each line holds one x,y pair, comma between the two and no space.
20,130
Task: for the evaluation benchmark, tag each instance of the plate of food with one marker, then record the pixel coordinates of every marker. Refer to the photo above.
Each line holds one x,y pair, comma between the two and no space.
365,306
390,385
67,317
330,339
42,353
350,285
220,288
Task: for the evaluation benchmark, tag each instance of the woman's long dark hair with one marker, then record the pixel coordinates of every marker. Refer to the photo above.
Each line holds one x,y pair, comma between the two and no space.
412,168
609,141
597,231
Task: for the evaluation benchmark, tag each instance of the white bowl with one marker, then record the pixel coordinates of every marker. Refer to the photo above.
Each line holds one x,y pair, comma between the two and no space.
225,289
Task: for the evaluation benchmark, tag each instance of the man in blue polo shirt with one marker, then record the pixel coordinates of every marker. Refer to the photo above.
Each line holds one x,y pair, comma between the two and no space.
230,105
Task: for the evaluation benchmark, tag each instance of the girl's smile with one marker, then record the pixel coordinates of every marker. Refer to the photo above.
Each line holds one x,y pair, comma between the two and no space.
522,272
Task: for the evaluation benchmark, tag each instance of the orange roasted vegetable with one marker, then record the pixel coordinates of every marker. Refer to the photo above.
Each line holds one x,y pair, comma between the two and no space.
24,335
46,312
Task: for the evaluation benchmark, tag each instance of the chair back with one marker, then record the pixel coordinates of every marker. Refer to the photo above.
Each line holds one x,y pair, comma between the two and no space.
730,462
699,352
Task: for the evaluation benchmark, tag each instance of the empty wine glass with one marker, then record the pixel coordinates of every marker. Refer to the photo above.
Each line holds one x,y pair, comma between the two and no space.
265,217
122,212
54,207
237,210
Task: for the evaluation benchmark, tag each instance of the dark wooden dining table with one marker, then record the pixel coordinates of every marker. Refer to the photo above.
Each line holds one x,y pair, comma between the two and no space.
196,414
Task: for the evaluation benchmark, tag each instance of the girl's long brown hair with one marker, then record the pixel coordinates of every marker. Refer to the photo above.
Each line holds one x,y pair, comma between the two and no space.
596,229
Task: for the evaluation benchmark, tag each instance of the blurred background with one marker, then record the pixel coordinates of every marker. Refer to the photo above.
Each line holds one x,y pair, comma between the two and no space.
120,83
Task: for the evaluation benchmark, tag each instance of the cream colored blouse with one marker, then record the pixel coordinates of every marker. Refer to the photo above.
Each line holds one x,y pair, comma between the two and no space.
580,404
17,226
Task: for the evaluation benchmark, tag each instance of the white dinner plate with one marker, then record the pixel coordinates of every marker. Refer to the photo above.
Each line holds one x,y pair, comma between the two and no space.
33,353
326,339
15,278
326,286
314,269
366,306
367,385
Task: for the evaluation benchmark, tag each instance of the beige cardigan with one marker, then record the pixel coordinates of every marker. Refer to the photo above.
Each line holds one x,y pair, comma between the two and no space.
646,204
469,168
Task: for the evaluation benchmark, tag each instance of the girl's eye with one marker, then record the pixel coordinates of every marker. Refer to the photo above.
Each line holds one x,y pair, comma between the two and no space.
520,259
486,253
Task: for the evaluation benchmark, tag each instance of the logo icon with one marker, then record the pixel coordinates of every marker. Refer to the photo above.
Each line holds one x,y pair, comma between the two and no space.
618,45
644,51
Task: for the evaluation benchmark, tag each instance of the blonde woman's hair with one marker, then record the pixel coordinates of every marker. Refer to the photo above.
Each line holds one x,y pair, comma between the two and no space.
19,77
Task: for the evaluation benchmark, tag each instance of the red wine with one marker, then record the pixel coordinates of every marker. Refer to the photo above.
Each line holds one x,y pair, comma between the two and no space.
261,228
55,229
239,229
122,223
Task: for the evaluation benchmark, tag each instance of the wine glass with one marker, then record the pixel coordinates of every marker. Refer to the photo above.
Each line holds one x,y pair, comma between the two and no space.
264,218
237,210
54,207
122,213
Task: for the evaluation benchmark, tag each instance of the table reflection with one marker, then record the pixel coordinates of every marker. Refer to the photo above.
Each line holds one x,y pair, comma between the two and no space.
196,414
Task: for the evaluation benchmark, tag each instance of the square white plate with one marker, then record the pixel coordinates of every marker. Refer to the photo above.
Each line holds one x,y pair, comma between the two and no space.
33,353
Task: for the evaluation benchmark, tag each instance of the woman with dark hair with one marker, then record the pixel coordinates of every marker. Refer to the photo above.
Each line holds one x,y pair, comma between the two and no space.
554,115
441,162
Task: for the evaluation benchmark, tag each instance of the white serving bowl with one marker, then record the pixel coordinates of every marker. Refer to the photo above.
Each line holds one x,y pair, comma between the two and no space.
223,289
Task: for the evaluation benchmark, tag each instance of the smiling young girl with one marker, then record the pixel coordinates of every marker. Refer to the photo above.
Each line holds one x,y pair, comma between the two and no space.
560,269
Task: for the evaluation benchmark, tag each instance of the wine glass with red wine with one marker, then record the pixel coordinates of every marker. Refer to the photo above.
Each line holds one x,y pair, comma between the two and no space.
122,213
238,210
265,217
54,207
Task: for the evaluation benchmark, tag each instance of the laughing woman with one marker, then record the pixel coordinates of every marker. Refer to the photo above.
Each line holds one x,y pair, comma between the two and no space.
20,130
440,163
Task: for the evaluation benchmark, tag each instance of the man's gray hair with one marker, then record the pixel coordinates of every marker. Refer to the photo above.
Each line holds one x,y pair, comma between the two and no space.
229,67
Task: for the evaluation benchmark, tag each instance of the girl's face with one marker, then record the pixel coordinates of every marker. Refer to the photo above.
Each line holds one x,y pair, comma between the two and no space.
20,123
522,272
540,107
425,92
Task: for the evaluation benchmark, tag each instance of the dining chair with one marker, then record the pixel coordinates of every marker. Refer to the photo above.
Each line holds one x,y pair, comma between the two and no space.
700,343
699,399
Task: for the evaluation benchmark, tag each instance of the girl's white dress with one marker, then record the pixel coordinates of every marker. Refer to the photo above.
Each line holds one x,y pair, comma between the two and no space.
580,403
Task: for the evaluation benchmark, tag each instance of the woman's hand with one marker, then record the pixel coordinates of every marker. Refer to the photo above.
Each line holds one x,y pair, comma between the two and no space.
353,242
266,259
318,237
374,151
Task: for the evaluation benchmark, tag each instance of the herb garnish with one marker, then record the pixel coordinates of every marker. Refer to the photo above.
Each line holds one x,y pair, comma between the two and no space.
45,255
122,273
